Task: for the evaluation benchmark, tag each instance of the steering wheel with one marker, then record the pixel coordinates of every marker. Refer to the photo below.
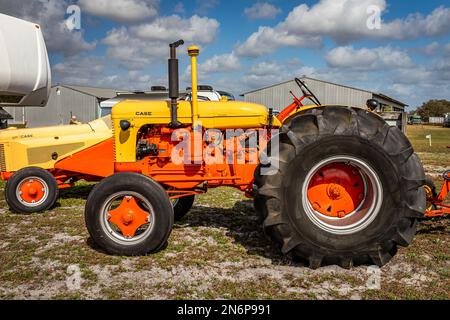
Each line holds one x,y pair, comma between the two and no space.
306,92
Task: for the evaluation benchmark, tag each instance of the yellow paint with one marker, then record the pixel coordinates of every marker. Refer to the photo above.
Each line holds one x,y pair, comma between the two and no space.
193,52
276,123
211,114
35,146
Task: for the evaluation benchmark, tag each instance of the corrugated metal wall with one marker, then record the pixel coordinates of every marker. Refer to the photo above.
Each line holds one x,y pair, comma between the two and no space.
17,113
62,103
278,96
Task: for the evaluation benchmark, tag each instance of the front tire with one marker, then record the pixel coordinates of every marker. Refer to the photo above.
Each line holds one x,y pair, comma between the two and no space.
182,206
129,214
348,190
31,190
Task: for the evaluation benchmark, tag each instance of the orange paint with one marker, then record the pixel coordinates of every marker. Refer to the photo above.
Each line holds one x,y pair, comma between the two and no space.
187,177
128,216
97,160
336,190
6,175
32,190
443,208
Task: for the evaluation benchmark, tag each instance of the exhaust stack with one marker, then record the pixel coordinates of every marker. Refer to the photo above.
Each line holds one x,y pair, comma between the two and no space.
174,84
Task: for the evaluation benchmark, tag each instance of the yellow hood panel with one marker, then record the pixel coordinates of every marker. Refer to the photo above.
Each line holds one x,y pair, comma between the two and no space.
212,114
43,147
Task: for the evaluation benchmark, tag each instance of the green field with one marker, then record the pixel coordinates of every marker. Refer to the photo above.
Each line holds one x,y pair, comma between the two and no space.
440,138
436,159
217,252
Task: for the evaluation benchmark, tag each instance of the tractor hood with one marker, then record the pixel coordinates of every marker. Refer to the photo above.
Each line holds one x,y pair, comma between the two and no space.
43,147
212,114
15,134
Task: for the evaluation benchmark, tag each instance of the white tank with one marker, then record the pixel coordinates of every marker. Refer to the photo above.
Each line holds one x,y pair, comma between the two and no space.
25,77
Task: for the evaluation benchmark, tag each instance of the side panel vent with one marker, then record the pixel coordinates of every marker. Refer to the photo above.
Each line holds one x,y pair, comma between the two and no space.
2,158
114,142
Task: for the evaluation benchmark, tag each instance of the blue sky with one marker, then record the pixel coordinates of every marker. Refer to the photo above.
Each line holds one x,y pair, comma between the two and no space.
249,44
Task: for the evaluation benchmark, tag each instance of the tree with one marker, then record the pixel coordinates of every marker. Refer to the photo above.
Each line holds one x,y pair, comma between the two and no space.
434,108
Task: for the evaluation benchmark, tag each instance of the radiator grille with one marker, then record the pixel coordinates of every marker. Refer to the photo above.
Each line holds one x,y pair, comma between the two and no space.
2,158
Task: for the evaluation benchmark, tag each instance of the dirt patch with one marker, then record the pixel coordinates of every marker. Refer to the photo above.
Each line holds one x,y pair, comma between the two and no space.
218,251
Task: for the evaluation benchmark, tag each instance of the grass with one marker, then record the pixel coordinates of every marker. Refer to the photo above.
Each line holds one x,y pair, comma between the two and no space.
218,251
440,138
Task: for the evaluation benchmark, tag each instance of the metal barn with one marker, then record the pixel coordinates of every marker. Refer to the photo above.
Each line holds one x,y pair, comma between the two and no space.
277,97
65,101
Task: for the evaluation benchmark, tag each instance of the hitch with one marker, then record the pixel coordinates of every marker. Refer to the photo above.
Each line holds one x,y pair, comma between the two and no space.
439,208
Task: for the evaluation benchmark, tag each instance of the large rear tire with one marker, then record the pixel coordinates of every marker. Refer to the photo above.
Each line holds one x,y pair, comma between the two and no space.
129,214
31,190
348,190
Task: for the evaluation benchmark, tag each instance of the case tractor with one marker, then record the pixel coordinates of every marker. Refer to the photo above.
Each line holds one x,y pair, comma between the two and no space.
332,184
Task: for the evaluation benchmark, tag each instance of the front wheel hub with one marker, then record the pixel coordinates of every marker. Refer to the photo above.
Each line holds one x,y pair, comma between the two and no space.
32,191
127,217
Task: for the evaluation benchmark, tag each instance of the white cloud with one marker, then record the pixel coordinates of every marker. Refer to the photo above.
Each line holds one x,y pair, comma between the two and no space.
420,83
430,49
124,11
79,70
50,15
270,72
171,28
265,68
416,26
442,72
220,63
93,71
179,8
346,20
131,52
343,21
339,19
262,10
137,77
139,45
367,59
202,7
223,63
447,49
412,76
266,40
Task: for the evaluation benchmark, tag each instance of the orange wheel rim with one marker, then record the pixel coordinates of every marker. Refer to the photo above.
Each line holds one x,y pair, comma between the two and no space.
32,191
336,190
129,217
342,194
